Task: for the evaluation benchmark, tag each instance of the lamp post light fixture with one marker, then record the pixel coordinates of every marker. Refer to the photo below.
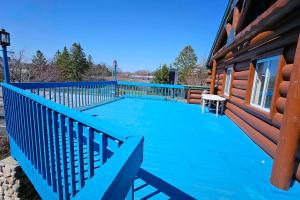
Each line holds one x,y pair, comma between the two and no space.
115,65
4,42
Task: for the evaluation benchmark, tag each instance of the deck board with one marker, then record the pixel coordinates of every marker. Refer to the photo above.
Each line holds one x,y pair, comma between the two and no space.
192,155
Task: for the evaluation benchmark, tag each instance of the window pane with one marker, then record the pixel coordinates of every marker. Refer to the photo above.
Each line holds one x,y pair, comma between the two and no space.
264,83
227,81
271,83
259,82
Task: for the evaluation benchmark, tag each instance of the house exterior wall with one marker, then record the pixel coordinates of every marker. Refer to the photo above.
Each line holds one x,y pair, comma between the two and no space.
274,33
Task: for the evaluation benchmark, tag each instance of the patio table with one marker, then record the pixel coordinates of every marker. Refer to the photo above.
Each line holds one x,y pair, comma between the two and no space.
211,97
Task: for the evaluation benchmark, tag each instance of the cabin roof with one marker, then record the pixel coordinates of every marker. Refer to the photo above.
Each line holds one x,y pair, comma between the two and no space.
227,11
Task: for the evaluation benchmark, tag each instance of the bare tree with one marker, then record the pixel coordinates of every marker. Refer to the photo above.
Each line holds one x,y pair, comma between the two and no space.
51,72
41,69
200,73
18,69
142,73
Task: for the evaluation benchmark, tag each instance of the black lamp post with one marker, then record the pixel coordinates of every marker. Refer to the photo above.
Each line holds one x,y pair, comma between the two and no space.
115,65
4,42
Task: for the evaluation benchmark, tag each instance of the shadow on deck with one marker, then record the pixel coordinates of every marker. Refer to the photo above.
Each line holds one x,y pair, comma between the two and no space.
158,186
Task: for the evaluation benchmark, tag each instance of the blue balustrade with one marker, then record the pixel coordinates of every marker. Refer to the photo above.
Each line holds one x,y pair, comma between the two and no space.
73,94
65,153
68,154
151,90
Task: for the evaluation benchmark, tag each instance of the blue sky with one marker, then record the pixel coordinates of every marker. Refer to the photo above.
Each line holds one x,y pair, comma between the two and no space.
140,34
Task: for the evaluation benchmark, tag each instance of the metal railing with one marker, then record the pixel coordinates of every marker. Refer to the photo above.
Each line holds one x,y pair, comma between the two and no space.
73,94
65,153
151,90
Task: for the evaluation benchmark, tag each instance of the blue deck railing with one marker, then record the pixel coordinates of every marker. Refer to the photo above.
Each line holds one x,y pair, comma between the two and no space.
68,154
64,152
73,94
151,90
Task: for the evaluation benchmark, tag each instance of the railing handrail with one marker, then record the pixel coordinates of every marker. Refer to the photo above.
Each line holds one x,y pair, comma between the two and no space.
120,168
150,84
34,85
83,118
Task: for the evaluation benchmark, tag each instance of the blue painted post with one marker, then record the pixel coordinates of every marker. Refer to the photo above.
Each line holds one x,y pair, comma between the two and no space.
80,153
45,138
31,130
57,153
90,149
82,96
75,96
50,94
5,64
59,98
72,98
63,97
41,140
33,125
37,136
51,147
44,92
54,91
68,97
71,154
62,125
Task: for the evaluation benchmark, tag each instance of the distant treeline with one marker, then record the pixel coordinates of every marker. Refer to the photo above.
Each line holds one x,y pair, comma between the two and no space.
67,65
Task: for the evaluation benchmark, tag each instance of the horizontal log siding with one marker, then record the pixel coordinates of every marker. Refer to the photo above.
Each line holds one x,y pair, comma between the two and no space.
280,35
268,146
262,128
220,81
283,90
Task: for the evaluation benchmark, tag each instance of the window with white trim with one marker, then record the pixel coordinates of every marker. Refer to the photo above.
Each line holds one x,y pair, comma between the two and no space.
227,81
264,83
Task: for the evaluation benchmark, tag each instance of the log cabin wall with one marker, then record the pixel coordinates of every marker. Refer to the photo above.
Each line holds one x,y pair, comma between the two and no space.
274,33
219,81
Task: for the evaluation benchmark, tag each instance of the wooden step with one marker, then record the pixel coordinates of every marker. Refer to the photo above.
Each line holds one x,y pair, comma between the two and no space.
195,96
195,101
196,91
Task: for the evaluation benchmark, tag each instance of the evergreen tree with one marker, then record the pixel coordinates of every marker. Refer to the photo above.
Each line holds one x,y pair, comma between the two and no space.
79,63
185,62
161,75
56,56
39,59
90,61
72,64
39,65
63,63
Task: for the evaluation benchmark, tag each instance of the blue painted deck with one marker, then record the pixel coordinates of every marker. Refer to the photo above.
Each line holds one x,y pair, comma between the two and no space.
190,155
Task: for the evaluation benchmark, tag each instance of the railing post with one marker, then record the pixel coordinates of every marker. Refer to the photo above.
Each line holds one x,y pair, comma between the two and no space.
5,64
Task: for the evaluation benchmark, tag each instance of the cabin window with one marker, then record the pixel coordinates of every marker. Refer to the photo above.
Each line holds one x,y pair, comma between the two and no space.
264,83
231,37
228,81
